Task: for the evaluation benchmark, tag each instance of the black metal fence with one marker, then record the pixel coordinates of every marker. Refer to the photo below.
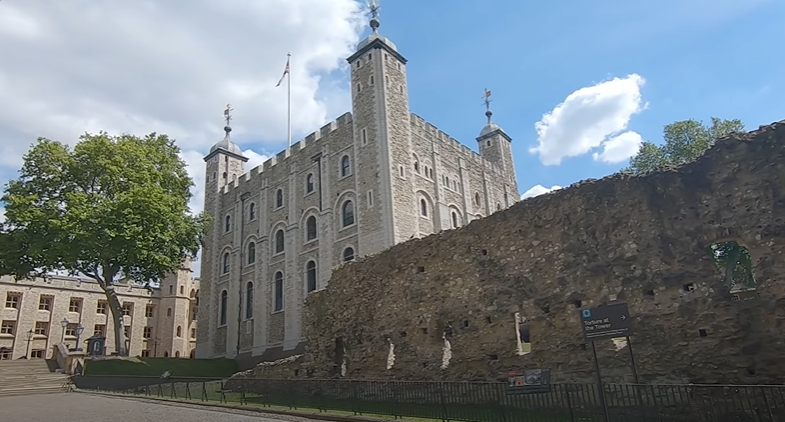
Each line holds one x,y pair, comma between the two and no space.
490,402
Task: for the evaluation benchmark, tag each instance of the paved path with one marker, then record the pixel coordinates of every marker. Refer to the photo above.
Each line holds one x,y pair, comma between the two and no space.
82,407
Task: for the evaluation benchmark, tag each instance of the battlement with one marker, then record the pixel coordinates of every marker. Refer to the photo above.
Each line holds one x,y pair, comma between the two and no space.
446,141
290,154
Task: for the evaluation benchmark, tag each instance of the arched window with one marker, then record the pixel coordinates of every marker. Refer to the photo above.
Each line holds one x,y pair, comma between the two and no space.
348,254
477,198
228,223
310,228
226,263
498,207
347,212
423,207
177,353
251,253
454,220
222,307
416,166
166,354
310,276
345,168
309,183
252,211
278,291
171,290
193,354
179,331
279,241
430,174
169,312
279,198
182,289
249,300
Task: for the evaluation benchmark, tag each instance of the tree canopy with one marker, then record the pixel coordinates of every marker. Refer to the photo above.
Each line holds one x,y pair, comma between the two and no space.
685,141
110,207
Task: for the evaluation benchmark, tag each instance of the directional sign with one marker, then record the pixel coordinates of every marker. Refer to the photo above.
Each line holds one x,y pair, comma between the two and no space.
606,321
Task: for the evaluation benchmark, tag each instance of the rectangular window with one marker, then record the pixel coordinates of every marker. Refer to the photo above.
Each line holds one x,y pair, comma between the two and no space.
75,305
45,303
99,330
193,332
127,331
7,327
149,311
41,328
145,353
12,300
100,307
70,330
148,332
128,308
37,354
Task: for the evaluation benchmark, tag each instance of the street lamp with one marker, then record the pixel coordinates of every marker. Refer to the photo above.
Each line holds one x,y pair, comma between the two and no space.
155,346
63,323
29,337
79,331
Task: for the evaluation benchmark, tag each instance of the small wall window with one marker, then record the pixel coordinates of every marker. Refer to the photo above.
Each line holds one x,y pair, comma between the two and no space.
416,165
371,83
454,219
179,331
309,183
228,224
370,198
348,254
477,198
345,166
168,312
279,198
251,253
249,300
222,307
310,276
364,136
226,263
278,291
423,207
279,241
347,213
310,228
252,212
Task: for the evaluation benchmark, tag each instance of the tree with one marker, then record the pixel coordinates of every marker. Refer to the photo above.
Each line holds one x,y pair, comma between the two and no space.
111,208
685,141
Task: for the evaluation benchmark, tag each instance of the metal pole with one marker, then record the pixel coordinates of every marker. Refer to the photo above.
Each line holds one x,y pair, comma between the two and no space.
632,361
29,337
599,383
289,100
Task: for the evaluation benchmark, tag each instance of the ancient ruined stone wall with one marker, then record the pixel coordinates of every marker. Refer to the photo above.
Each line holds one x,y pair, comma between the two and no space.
638,239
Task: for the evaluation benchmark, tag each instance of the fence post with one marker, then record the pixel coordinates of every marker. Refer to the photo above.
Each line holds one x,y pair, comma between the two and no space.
566,390
445,416
243,399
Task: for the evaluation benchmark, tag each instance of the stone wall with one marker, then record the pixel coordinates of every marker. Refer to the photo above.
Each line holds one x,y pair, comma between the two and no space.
637,239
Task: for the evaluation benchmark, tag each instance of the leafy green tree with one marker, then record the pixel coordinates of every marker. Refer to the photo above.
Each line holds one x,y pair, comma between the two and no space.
685,141
111,208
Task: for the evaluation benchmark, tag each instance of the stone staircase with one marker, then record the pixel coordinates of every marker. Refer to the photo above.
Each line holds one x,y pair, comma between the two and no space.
34,376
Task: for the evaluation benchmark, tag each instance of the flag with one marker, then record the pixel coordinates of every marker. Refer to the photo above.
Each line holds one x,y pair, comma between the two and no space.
285,72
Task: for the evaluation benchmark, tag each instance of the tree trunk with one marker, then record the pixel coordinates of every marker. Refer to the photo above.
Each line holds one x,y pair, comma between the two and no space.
117,319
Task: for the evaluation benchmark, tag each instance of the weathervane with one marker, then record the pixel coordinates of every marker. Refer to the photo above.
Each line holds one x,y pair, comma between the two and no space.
487,98
374,9
228,114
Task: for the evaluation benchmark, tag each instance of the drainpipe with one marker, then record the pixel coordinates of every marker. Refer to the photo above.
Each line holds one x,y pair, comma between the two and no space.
318,159
243,197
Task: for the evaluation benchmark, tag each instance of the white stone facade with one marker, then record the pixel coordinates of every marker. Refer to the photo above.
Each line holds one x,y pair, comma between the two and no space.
377,176
159,322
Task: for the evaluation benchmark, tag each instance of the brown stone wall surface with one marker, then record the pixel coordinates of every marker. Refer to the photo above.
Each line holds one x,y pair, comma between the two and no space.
638,239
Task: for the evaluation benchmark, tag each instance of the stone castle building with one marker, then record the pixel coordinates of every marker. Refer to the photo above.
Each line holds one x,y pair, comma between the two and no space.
375,177
158,322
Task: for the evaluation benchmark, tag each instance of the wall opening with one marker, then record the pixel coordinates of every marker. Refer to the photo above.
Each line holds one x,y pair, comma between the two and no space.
735,264
339,363
522,335
390,354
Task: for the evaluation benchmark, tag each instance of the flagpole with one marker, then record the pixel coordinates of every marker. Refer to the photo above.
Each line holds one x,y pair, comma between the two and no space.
289,102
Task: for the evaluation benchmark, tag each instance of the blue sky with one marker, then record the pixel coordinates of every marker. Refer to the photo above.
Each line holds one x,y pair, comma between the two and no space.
606,74
699,59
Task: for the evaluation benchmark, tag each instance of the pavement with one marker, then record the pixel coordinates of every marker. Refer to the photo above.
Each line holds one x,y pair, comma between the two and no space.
83,407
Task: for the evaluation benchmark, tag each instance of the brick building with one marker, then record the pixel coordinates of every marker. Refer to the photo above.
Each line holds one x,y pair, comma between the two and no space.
375,177
158,321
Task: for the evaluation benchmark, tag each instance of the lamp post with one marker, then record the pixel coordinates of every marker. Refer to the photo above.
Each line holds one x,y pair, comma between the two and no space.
63,323
29,337
79,331
155,347
243,197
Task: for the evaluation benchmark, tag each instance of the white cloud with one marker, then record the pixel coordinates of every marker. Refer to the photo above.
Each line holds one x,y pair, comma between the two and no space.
538,190
171,67
2,215
619,148
589,118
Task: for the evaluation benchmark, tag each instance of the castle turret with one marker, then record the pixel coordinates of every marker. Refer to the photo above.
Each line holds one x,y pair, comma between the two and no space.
380,108
496,147
225,163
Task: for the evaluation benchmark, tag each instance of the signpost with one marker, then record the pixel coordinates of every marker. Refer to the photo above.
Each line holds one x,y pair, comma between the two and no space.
531,381
607,321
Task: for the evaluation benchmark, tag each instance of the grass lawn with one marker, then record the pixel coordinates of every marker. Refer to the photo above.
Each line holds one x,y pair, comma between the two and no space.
138,366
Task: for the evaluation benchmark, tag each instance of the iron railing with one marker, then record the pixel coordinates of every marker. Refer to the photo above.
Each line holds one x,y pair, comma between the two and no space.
489,402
